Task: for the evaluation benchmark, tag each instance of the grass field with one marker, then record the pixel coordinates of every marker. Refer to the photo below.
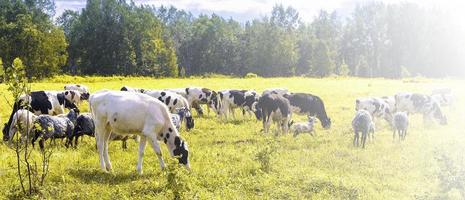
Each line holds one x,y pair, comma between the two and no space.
234,160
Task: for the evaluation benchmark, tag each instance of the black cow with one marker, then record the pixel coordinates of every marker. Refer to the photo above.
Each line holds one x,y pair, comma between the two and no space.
273,107
309,104
42,102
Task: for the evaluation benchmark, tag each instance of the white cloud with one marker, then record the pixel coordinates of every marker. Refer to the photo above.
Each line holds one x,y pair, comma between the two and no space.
248,9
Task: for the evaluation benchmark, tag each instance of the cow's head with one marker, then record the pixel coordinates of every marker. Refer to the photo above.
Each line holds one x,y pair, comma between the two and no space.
326,123
181,151
214,103
85,96
189,119
6,134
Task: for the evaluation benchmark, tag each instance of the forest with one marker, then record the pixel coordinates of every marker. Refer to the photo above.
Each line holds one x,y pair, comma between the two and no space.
118,37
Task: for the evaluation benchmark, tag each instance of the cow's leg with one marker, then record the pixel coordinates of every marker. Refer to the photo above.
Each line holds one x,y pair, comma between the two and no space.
233,113
99,138
156,148
106,138
142,143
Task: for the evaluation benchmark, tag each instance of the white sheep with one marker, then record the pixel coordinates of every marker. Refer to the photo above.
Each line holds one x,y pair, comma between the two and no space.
303,127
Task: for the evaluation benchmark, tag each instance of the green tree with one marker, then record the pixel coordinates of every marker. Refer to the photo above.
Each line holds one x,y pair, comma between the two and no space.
27,32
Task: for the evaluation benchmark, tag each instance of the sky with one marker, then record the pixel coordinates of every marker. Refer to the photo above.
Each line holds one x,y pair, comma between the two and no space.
244,10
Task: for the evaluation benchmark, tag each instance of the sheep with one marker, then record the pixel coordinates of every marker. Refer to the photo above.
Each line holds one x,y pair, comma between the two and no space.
85,126
46,126
362,122
303,127
400,125
21,119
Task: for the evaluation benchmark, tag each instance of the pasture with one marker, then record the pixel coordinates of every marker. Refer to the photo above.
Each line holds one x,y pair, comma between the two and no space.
234,160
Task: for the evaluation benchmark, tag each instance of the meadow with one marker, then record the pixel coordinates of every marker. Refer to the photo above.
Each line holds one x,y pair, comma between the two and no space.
235,160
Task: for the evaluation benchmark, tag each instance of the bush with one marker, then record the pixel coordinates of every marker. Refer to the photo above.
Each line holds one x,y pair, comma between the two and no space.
251,75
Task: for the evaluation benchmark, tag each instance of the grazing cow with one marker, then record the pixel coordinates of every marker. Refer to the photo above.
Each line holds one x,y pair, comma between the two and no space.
278,91
42,102
174,102
444,96
303,127
23,119
275,108
196,95
420,103
232,99
400,125
311,105
362,122
129,89
377,107
179,117
47,126
80,88
135,113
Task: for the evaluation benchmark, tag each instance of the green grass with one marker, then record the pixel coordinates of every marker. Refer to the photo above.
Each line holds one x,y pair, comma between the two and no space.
234,160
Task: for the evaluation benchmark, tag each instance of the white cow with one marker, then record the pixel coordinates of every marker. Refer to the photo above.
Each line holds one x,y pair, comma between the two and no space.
135,113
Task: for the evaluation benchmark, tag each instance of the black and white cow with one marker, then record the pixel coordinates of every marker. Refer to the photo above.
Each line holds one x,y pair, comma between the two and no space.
135,113
174,102
420,103
309,104
197,96
273,107
444,96
80,88
43,102
377,107
130,89
232,99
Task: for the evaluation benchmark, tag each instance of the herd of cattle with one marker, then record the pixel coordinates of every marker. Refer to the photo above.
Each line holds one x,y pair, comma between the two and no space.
157,115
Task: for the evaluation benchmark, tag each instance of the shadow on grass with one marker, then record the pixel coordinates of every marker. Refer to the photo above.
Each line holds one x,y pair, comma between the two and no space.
98,176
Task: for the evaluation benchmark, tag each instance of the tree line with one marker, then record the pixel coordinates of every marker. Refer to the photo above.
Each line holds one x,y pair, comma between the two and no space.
110,37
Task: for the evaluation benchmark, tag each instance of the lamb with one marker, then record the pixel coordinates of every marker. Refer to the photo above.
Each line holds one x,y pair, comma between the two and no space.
303,127
46,126
362,122
401,123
